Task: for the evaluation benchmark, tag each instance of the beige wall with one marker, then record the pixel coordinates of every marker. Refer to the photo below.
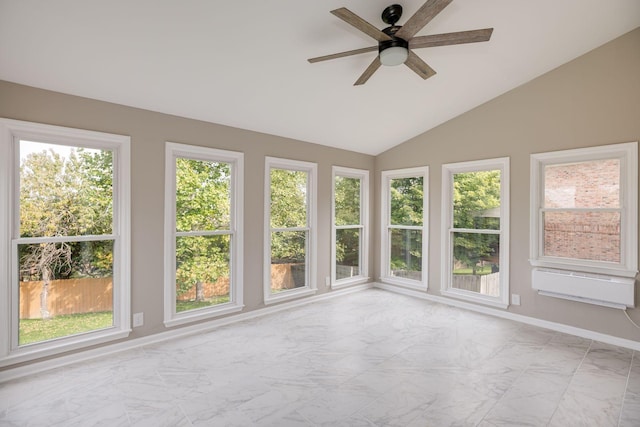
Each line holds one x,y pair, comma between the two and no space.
593,100
149,131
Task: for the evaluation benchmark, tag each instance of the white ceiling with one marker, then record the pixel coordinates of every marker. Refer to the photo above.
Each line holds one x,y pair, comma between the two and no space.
243,63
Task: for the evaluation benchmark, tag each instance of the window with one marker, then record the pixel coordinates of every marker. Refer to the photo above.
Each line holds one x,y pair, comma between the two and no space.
65,239
475,217
404,234
349,254
290,229
203,239
584,211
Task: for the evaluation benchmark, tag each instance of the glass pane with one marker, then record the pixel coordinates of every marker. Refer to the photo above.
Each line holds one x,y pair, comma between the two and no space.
347,253
406,254
65,191
476,200
582,235
288,260
65,289
476,261
593,184
288,198
347,200
202,271
203,195
406,201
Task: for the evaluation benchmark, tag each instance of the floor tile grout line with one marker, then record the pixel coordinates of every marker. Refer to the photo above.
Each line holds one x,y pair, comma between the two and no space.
571,381
520,374
626,386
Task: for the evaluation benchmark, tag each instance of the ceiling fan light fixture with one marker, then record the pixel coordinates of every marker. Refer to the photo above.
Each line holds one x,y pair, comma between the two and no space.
394,55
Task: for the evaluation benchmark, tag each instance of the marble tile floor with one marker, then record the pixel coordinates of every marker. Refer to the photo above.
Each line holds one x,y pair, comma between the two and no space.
370,358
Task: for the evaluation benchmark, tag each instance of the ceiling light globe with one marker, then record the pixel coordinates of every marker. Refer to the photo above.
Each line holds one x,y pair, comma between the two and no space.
394,55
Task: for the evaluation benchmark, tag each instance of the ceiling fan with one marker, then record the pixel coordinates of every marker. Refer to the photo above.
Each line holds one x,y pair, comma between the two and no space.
395,43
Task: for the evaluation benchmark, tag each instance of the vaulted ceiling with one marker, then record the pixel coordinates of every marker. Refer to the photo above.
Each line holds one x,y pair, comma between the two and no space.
244,63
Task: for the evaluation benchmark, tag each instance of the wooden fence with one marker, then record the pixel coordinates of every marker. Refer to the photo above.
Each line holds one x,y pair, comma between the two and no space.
485,284
69,296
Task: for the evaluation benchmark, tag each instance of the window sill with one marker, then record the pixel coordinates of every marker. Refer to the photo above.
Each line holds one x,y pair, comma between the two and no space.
583,268
51,348
288,295
349,282
475,298
411,284
203,314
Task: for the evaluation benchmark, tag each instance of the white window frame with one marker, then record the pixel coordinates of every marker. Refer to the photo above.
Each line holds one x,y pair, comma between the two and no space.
363,226
11,132
448,171
386,226
174,151
310,287
627,153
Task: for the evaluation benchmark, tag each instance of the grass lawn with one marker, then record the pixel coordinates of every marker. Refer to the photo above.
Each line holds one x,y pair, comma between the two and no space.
467,271
35,330
192,305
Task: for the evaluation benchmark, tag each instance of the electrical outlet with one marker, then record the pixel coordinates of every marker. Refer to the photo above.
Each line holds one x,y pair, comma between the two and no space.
515,299
138,319
327,281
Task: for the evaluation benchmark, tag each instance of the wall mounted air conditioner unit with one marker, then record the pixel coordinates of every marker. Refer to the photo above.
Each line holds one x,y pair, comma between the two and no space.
609,291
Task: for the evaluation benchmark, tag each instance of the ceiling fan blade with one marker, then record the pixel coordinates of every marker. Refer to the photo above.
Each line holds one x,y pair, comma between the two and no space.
343,54
368,72
419,66
354,20
446,39
421,18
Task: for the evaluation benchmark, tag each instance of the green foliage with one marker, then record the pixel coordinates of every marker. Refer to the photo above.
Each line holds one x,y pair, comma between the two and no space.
203,203
199,260
407,195
347,212
476,203
288,210
407,208
66,197
203,195
347,201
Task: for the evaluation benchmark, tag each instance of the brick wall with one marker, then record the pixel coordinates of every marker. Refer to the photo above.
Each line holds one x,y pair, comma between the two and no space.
583,235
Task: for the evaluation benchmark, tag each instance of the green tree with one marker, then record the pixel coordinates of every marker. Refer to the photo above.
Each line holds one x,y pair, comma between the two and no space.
476,203
407,201
203,203
347,212
65,197
288,201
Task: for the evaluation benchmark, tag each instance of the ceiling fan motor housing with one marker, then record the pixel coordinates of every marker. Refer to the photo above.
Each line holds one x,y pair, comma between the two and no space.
396,42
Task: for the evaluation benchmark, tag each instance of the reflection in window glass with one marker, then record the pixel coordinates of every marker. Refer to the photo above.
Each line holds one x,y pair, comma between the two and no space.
476,259
476,200
347,253
288,260
406,253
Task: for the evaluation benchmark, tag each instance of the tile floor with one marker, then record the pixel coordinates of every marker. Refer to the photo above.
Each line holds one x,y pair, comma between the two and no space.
371,358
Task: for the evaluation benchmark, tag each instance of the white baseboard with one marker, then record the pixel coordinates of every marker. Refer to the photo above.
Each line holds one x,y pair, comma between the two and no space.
559,327
80,356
